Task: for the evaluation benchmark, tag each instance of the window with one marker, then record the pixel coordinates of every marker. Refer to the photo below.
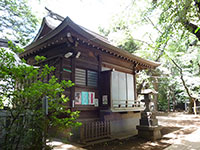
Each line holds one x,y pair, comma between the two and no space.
86,77
92,78
80,76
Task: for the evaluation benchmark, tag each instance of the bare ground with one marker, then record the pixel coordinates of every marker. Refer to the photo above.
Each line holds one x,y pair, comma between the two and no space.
178,128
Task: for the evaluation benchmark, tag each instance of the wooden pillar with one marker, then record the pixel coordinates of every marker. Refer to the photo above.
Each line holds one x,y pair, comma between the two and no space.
134,82
61,69
72,91
99,76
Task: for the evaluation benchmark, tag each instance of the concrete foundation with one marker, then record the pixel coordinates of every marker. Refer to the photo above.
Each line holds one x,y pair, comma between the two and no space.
150,133
123,123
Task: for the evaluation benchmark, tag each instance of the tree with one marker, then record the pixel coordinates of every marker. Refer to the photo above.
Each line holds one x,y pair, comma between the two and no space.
23,92
179,31
179,15
120,30
173,35
17,22
130,25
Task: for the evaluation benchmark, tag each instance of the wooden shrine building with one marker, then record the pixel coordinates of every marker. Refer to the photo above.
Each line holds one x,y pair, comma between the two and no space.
104,76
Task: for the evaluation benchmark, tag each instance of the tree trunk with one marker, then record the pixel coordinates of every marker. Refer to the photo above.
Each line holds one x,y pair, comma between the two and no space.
168,99
195,108
192,99
174,102
190,106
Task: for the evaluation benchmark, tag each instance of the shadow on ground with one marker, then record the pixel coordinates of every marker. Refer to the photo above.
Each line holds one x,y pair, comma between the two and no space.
179,130
136,143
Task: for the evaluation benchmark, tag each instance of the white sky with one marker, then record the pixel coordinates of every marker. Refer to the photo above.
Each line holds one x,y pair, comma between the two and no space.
93,13
88,13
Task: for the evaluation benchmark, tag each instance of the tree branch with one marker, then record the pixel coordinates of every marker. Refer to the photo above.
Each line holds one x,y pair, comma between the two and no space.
144,42
148,19
183,81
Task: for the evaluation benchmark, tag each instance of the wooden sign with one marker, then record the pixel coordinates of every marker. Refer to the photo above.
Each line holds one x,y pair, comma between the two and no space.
84,98
91,98
96,102
105,99
78,98
67,70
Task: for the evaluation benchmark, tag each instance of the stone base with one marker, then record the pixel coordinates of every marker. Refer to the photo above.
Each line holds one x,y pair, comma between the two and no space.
149,132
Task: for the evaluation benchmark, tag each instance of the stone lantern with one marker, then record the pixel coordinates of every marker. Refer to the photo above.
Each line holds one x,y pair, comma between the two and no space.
148,127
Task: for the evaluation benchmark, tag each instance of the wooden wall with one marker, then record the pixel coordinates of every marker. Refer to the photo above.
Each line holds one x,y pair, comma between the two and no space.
91,58
88,60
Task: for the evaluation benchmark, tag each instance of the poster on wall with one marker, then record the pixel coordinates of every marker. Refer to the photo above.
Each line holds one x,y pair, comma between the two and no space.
84,98
77,98
96,102
91,98
105,99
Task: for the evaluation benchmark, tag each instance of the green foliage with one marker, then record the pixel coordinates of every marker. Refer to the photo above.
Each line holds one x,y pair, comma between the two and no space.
120,29
125,42
172,28
17,21
39,58
23,91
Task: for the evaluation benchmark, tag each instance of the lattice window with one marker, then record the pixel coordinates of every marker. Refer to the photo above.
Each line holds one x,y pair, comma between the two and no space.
86,77
80,76
92,78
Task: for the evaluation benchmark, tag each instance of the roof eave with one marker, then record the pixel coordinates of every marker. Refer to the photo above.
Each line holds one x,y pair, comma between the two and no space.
68,22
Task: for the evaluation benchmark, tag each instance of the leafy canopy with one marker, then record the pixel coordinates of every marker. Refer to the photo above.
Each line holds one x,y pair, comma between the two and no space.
17,22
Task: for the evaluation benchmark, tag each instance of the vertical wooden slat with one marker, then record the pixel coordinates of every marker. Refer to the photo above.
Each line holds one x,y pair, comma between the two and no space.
99,128
101,131
86,130
72,93
109,128
82,133
95,130
90,127
105,128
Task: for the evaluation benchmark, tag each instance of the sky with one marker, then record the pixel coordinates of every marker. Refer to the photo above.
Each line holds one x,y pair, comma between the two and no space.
88,13
92,14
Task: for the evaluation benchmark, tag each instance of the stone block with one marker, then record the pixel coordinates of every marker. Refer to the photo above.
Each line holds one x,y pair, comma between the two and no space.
149,132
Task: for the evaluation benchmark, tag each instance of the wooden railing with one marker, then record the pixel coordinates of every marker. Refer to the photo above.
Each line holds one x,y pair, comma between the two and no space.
127,104
91,131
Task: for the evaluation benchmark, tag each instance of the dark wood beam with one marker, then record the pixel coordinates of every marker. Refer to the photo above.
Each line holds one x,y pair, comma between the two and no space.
197,4
192,28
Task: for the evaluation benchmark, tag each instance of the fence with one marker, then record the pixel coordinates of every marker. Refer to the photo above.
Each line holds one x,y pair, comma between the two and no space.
95,130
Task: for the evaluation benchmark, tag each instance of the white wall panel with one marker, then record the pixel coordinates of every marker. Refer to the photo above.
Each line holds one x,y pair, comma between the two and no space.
122,85
130,86
114,86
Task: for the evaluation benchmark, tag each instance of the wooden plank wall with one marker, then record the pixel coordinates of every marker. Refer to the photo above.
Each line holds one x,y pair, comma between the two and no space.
91,58
88,60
